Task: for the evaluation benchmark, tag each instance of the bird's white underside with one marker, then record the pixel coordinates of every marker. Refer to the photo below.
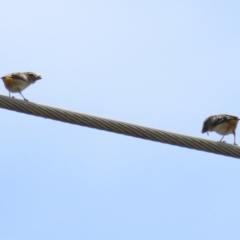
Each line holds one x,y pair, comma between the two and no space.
222,129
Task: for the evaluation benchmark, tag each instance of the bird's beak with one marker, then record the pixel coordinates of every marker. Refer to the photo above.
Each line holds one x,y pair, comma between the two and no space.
39,77
204,129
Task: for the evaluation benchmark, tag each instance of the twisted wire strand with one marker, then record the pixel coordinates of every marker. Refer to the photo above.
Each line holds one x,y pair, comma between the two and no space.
119,127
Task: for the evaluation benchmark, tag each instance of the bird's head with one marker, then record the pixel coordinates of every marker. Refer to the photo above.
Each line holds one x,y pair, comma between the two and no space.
33,76
206,125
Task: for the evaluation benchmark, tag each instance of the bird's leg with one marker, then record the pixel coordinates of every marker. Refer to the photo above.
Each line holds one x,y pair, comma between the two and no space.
234,134
222,138
10,95
224,135
23,96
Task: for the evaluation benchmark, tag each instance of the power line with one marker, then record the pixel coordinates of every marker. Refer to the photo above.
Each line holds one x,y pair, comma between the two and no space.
119,127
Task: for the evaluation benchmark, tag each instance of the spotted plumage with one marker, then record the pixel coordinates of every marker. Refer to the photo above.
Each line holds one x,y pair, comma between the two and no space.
17,82
222,124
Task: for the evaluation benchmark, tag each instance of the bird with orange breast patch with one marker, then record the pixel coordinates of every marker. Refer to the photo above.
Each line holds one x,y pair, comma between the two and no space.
222,124
18,81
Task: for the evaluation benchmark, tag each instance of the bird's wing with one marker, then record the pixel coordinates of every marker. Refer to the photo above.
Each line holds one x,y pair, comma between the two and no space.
222,119
19,76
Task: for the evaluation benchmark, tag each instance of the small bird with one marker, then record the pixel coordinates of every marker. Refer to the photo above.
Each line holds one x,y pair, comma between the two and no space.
17,82
222,124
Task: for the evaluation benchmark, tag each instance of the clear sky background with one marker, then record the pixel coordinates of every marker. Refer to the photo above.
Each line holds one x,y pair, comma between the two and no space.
161,64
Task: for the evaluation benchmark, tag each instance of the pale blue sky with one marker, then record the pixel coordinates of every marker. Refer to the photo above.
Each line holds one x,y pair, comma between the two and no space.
161,64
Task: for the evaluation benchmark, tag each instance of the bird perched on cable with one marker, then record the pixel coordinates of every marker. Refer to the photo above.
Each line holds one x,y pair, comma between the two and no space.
222,124
17,82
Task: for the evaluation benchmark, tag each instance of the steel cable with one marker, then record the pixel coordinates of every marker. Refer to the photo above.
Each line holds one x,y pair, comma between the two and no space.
119,127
